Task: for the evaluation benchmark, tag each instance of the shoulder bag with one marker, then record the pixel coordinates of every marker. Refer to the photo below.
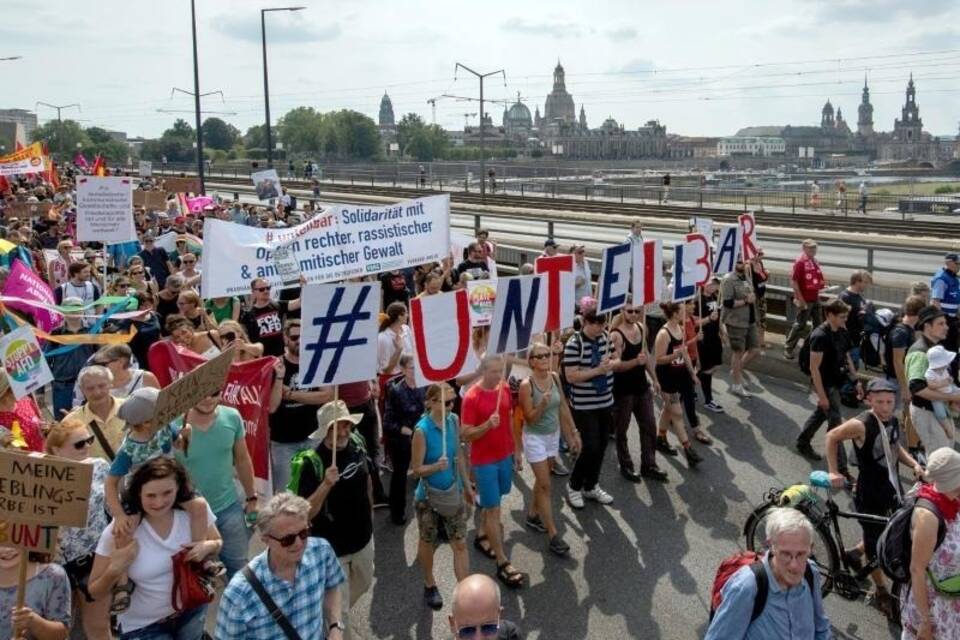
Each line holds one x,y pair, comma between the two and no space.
272,608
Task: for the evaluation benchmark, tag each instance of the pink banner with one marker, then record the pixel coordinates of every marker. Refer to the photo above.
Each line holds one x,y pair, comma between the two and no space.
197,204
24,283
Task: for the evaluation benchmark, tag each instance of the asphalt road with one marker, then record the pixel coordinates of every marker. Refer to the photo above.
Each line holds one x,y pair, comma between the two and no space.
641,568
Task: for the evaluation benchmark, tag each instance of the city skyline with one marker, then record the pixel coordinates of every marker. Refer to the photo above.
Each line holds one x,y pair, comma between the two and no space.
768,66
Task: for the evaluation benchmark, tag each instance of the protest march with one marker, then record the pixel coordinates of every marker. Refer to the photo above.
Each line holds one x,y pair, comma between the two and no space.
206,404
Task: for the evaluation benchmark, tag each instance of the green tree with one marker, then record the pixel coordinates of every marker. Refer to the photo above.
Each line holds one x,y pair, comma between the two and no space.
217,134
101,142
409,126
61,137
301,130
355,135
255,137
181,129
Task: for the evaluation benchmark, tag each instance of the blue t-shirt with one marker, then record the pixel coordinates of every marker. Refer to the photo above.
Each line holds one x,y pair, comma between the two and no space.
132,453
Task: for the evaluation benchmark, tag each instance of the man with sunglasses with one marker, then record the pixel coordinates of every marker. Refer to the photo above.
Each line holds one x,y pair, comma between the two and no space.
476,611
156,259
264,319
293,584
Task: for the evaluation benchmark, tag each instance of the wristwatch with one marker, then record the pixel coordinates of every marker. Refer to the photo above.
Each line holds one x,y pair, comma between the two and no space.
336,625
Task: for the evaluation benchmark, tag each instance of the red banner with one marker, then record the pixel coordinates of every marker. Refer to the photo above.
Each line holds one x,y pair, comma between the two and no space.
247,390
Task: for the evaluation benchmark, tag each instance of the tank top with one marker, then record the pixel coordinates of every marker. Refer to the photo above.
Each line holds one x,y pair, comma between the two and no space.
549,421
672,375
433,440
633,381
221,313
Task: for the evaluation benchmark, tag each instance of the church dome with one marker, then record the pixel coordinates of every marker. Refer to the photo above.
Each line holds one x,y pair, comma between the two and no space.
386,111
609,124
827,108
518,115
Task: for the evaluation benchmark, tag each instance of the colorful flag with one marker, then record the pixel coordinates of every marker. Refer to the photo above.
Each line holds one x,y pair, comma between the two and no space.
80,161
99,167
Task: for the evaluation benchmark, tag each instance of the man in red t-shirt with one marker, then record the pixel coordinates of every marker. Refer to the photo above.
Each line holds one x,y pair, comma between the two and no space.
807,280
487,427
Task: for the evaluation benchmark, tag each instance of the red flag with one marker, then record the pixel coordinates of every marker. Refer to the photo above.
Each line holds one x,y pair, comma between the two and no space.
52,177
99,167
20,146
4,185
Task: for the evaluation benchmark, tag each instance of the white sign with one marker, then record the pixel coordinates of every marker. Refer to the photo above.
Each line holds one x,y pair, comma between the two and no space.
344,241
24,364
442,350
146,169
338,334
105,210
703,226
266,183
519,313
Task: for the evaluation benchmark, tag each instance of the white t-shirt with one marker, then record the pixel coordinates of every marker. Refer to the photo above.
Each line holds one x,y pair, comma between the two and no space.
152,569
386,348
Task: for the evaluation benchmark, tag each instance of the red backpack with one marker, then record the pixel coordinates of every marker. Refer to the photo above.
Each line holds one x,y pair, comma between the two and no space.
734,563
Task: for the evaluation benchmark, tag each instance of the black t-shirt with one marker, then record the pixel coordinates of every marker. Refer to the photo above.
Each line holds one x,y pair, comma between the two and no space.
394,286
292,421
479,270
858,309
834,347
265,325
875,494
345,519
901,336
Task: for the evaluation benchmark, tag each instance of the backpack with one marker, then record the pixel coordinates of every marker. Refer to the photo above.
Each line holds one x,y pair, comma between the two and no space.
734,563
877,324
895,545
302,458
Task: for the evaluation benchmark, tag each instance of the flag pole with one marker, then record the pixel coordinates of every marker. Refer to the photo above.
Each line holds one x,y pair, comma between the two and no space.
443,420
336,399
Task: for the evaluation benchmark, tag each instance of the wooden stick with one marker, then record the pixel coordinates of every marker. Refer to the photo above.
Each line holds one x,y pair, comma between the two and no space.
336,399
443,422
22,586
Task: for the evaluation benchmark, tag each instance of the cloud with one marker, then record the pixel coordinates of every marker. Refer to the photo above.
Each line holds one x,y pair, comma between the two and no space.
552,28
637,65
621,34
282,29
933,39
879,11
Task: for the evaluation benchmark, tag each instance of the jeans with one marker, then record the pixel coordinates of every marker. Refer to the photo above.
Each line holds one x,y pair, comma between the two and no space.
398,446
813,313
186,626
639,406
236,538
367,427
280,455
62,398
833,418
594,426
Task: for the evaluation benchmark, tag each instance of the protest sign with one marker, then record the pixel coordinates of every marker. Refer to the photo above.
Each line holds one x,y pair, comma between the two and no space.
247,390
561,290
22,210
26,368
266,183
150,199
648,272
614,283
691,266
181,185
42,489
442,350
338,333
702,225
727,250
146,169
519,313
27,160
481,294
24,283
185,392
39,538
105,210
344,241
288,267
749,248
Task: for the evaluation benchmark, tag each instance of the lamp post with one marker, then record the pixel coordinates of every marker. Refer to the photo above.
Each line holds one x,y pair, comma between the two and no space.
266,84
481,76
196,99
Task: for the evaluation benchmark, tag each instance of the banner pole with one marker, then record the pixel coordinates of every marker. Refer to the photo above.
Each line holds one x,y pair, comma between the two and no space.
333,450
22,585
443,421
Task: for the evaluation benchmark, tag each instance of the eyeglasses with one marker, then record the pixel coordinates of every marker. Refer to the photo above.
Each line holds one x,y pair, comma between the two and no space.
79,445
288,540
485,630
539,356
786,557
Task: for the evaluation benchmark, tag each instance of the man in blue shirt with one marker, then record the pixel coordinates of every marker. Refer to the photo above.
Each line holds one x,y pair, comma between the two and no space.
945,294
793,611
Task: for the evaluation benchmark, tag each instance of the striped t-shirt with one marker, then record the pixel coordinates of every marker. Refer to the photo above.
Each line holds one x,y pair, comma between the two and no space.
595,393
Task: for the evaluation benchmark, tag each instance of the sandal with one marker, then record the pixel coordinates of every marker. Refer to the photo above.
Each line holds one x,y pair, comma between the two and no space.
486,550
701,437
120,597
513,579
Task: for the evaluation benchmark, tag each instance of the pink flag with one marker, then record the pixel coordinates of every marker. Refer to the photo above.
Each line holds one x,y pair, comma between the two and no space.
80,161
197,204
24,283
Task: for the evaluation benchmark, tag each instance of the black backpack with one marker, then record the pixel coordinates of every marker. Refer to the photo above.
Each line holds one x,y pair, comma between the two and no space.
895,546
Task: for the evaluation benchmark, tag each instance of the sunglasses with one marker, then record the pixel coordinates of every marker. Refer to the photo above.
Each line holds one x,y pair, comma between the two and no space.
294,338
631,311
288,540
83,444
189,261
230,337
136,273
261,289
539,356
485,630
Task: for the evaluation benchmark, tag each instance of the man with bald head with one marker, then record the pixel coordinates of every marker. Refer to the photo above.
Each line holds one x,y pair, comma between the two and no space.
476,611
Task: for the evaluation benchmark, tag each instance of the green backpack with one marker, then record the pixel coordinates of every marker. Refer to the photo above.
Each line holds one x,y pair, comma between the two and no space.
301,458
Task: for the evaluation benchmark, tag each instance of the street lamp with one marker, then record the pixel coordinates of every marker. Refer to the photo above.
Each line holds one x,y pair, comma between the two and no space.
266,84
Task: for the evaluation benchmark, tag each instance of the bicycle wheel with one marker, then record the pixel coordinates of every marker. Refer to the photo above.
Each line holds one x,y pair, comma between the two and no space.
824,553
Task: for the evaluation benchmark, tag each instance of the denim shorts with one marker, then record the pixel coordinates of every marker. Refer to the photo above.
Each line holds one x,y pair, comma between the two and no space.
494,480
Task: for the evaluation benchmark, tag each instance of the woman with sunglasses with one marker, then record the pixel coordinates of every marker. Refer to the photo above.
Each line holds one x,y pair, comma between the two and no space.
140,280
674,370
190,306
545,413
442,470
155,492
71,439
232,333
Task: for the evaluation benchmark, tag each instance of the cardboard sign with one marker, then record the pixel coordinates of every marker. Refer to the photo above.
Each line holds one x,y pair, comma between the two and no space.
26,368
150,199
41,489
267,184
146,169
182,185
29,537
105,210
185,392
28,210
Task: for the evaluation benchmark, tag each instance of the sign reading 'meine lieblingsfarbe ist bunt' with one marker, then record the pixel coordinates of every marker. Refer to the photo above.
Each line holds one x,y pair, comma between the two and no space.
342,241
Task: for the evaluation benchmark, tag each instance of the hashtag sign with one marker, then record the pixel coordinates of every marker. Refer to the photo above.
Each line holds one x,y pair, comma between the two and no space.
357,328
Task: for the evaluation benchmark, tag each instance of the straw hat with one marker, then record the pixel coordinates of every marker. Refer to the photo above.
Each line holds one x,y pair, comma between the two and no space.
330,413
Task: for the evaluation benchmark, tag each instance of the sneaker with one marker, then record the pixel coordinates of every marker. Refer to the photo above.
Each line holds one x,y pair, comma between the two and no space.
598,495
381,504
558,546
804,449
654,473
739,390
559,469
535,523
693,458
789,354
713,406
629,474
664,447
432,598
574,497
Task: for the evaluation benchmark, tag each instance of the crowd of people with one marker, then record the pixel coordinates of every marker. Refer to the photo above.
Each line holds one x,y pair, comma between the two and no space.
161,488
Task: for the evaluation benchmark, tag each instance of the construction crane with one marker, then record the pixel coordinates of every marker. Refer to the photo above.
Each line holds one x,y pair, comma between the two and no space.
466,119
433,106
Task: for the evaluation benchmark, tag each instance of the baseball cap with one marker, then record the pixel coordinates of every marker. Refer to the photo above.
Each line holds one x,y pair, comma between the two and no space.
140,406
549,242
881,385
951,257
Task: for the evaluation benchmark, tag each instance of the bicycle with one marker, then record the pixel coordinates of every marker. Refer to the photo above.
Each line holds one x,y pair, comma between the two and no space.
837,574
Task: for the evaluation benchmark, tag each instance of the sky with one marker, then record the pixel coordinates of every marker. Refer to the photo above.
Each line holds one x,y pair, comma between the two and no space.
700,68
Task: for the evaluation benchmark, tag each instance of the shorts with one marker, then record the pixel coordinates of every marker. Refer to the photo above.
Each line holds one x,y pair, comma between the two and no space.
871,531
538,447
761,307
743,338
494,480
430,523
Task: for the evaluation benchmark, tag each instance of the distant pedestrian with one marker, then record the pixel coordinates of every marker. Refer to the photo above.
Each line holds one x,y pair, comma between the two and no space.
740,320
666,188
807,281
853,296
862,192
423,177
815,195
